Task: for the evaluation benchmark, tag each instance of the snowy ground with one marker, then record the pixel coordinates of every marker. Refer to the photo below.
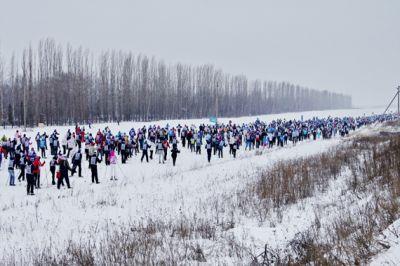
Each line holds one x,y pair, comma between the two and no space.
390,236
156,191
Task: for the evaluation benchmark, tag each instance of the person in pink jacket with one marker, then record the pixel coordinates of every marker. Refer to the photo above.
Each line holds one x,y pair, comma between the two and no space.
113,163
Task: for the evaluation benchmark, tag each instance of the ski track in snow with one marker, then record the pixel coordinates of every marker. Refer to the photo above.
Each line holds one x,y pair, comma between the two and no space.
147,190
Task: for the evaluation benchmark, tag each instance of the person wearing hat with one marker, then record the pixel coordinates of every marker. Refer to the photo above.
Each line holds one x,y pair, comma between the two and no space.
92,149
11,170
93,167
22,164
145,147
64,167
53,164
174,153
36,171
113,162
209,147
30,178
77,162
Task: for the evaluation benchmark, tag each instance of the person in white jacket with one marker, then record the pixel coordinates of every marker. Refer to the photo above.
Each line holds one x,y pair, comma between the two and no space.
64,144
113,163
152,148
160,151
70,145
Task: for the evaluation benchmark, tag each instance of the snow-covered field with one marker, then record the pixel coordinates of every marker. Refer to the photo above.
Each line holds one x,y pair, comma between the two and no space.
147,191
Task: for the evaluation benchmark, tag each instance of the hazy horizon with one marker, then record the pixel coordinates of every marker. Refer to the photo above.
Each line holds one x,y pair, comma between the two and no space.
341,46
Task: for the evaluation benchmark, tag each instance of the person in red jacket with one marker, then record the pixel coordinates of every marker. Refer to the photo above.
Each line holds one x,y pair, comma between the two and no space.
82,136
1,155
166,147
36,170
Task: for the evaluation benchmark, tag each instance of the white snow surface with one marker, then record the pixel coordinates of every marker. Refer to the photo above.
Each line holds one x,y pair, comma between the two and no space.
151,190
390,237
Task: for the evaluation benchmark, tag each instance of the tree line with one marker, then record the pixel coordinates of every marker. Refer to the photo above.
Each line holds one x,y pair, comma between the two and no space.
52,84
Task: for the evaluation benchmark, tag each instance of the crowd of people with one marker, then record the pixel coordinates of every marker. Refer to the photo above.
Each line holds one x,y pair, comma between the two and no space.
69,152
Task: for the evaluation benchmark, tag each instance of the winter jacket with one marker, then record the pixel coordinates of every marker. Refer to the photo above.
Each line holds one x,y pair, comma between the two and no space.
113,159
37,164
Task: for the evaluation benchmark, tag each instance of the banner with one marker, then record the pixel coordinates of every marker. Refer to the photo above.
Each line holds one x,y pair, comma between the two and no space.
213,119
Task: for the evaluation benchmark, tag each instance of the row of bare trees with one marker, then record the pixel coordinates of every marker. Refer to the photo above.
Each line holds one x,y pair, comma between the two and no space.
55,85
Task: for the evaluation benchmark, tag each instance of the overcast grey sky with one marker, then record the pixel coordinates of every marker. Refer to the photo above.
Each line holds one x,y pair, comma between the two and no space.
350,46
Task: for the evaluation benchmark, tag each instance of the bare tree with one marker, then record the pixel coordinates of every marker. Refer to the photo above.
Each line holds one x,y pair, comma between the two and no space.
58,86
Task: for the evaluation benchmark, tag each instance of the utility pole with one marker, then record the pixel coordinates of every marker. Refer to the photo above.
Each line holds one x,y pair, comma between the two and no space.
398,102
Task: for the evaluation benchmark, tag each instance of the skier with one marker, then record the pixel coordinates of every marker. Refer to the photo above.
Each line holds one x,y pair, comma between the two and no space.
30,179
63,171
92,150
295,136
113,163
183,137
145,147
174,153
32,155
248,142
53,164
179,127
37,139
64,144
77,163
192,144
106,151
42,146
77,135
209,150
93,167
124,153
160,151
70,144
17,157
234,148
221,145
231,142
87,147
189,136
36,171
11,146
270,140
258,140
198,145
22,165
152,147
11,171
215,144
165,147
